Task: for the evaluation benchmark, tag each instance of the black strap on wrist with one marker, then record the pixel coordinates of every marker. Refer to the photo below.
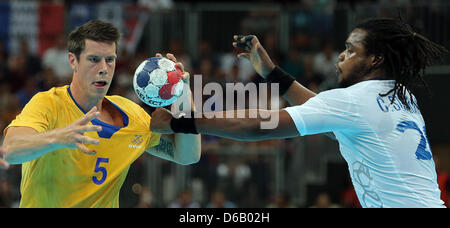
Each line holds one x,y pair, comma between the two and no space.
279,76
183,125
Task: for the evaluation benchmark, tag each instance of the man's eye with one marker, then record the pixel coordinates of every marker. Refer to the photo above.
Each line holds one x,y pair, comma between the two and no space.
110,59
94,59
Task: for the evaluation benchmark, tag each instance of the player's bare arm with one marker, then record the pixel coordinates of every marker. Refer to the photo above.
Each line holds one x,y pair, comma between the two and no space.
177,148
243,129
164,149
24,144
296,94
181,148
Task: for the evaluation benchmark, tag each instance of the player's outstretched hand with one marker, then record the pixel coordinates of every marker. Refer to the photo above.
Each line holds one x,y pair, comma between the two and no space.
73,136
3,163
255,52
160,122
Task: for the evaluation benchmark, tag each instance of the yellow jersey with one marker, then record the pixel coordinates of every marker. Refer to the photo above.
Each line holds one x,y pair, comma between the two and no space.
68,177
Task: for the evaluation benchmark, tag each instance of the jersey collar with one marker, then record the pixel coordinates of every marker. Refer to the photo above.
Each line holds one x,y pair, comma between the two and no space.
107,129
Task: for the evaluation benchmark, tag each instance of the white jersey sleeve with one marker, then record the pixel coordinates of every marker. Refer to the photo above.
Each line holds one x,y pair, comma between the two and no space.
332,110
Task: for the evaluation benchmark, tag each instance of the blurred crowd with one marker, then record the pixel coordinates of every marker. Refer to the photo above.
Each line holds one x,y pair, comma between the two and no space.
218,180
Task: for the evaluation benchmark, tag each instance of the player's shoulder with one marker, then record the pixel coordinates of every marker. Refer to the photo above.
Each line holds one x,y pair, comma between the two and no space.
135,113
361,90
338,93
54,91
125,104
50,96
374,85
117,99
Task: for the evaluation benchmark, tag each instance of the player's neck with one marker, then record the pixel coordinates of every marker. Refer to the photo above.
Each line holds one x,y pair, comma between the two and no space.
375,74
84,100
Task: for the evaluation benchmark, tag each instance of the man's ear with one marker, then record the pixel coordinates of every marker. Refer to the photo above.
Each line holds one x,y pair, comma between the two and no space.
73,61
377,61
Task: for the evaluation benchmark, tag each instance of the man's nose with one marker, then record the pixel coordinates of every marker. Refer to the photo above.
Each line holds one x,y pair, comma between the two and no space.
103,67
341,56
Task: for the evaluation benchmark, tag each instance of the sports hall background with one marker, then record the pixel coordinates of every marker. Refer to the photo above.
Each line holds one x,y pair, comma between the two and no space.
304,37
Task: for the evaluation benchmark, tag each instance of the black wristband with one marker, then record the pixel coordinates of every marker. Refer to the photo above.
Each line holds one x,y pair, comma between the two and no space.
279,76
183,125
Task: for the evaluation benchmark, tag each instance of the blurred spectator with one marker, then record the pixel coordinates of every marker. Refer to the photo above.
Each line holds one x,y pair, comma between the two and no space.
205,169
32,63
17,71
205,52
240,173
270,43
206,69
311,78
294,64
184,200
9,104
320,15
56,58
323,201
246,71
3,63
324,61
261,22
28,90
46,79
6,196
281,200
176,48
260,171
349,199
218,200
145,198
5,95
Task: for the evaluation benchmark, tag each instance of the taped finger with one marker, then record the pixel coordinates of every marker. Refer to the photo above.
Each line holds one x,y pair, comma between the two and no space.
245,41
244,55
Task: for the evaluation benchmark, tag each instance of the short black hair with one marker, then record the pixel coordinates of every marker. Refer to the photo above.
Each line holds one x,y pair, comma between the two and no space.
406,53
96,30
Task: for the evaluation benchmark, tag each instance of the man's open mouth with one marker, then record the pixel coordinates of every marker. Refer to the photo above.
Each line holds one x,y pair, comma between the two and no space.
338,69
100,84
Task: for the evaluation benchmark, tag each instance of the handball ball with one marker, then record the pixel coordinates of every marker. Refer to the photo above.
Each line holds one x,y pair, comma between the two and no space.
158,82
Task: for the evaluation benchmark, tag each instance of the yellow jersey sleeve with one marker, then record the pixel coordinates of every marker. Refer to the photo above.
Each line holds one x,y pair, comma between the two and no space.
40,114
154,139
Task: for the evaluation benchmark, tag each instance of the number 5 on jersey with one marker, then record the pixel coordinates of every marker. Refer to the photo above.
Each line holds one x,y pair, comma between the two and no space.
100,169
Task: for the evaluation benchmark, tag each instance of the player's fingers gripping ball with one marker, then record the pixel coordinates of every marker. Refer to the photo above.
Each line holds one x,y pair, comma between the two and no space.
244,42
158,81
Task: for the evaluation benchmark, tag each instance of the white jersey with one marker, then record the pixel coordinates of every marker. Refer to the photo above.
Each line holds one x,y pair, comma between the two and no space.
384,144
